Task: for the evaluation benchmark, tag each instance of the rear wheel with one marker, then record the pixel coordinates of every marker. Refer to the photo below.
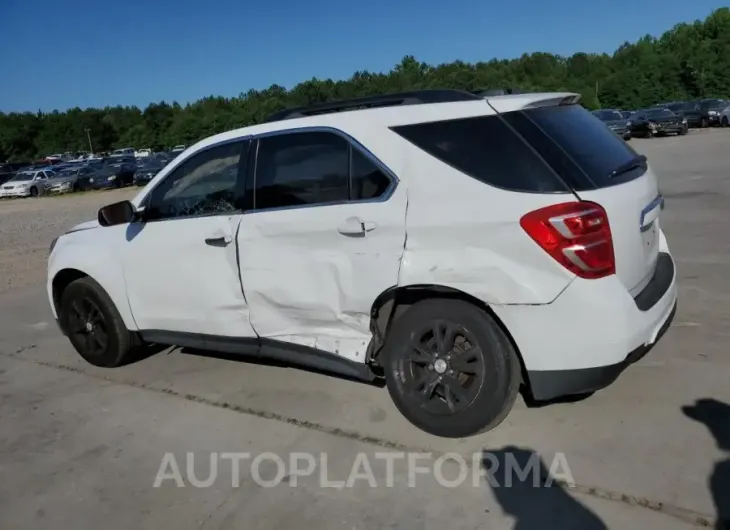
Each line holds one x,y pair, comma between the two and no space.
93,324
450,369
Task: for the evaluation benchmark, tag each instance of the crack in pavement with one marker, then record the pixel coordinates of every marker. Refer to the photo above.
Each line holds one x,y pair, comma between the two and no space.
680,513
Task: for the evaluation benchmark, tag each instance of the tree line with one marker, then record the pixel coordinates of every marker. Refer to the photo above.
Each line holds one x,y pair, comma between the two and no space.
690,61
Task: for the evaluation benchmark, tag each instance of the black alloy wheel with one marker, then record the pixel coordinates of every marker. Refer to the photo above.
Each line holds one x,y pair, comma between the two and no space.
87,327
450,369
94,326
443,371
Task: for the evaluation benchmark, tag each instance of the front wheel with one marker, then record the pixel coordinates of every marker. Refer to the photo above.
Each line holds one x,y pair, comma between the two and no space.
450,369
34,192
93,324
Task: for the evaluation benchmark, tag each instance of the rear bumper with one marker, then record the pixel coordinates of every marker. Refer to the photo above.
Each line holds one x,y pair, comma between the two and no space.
585,338
550,384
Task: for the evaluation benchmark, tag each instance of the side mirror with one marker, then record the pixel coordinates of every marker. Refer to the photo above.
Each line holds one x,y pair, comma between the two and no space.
117,214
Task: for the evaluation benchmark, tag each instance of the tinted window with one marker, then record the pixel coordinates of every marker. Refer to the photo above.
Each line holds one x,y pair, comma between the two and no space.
486,149
204,184
368,180
301,169
713,103
608,115
583,142
658,113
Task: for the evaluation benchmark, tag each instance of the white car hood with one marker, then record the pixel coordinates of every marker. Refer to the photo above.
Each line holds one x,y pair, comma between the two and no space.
86,225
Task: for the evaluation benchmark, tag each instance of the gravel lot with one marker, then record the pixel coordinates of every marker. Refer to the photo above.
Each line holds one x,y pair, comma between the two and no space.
27,227
80,446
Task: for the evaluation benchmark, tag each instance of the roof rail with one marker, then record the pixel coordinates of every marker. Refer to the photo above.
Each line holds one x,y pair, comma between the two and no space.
416,97
490,92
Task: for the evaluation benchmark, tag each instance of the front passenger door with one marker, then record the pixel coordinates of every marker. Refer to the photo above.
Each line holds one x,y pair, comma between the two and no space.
180,262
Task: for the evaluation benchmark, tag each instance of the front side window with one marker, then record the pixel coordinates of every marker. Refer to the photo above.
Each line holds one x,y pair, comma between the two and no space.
204,184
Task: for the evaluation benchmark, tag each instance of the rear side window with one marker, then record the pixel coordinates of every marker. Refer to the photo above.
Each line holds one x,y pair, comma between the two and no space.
576,144
487,149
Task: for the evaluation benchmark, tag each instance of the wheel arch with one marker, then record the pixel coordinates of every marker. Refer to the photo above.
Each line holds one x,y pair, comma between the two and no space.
393,302
115,289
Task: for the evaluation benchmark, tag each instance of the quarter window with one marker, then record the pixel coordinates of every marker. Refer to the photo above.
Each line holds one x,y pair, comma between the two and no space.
205,184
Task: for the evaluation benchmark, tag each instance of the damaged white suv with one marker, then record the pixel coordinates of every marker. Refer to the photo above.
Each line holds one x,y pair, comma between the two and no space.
457,246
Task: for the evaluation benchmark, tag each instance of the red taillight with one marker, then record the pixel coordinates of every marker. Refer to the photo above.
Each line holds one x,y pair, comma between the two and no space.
576,234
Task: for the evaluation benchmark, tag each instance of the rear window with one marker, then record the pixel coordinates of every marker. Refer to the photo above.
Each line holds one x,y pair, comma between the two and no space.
487,149
576,144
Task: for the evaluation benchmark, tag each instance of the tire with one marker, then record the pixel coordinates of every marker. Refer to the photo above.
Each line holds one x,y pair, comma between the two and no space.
684,130
627,137
109,344
34,192
481,390
704,123
724,122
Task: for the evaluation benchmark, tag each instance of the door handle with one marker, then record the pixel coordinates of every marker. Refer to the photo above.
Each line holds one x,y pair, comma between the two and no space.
354,226
218,241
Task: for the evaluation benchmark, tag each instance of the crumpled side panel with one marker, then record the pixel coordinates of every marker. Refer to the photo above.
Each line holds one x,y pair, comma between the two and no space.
307,283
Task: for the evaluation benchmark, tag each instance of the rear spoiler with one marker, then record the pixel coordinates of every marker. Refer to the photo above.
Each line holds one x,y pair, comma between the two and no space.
512,102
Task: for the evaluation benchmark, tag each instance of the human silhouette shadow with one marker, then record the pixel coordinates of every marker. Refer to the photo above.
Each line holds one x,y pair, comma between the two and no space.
535,499
716,417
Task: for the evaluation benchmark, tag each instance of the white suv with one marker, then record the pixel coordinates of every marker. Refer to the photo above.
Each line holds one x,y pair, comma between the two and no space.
458,247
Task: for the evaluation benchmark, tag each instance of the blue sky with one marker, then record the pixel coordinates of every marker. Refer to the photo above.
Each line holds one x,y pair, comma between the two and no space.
57,54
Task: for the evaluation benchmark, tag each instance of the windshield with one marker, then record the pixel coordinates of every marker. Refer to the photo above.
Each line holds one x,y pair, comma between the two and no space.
609,115
713,103
658,113
20,177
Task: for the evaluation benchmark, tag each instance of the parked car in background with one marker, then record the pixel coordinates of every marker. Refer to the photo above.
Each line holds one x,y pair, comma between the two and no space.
725,117
126,151
9,169
143,153
615,121
67,179
149,170
26,183
115,172
705,112
657,121
178,149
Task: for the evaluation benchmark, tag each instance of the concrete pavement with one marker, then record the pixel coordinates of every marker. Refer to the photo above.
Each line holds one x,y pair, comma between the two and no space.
81,446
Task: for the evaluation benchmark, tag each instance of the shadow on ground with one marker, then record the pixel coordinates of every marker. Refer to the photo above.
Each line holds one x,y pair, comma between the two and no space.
715,415
528,492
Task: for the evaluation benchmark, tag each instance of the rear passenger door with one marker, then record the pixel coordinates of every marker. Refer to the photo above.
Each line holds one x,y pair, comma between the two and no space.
322,237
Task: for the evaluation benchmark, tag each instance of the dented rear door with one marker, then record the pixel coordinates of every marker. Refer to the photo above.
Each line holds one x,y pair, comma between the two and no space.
315,255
